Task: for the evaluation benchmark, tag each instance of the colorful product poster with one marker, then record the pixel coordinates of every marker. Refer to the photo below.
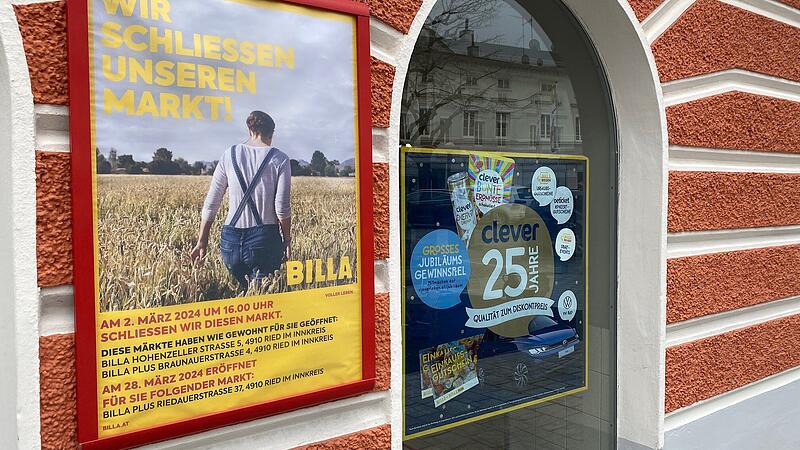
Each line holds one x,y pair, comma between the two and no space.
491,177
450,369
226,216
515,285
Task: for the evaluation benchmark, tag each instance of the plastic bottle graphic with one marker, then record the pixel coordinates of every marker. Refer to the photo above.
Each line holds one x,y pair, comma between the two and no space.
463,208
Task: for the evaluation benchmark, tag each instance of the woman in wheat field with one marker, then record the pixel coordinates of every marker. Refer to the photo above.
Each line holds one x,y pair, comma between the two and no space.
256,236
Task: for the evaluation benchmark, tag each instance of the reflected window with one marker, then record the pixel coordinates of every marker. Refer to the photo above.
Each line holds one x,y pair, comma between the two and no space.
501,130
469,124
544,126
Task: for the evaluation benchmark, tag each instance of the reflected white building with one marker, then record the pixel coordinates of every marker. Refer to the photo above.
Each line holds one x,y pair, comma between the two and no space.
464,93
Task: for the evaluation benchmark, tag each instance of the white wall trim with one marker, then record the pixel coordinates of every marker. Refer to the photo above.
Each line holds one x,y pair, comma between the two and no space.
642,216
769,8
697,159
668,12
380,145
765,421
703,242
384,41
57,311
706,85
19,299
401,55
715,324
663,17
292,429
382,278
701,409
52,128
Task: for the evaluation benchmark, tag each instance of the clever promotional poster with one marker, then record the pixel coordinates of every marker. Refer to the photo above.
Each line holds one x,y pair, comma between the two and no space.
494,269
224,238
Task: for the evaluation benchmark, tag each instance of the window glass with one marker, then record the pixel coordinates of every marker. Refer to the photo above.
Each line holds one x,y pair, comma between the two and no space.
489,61
495,77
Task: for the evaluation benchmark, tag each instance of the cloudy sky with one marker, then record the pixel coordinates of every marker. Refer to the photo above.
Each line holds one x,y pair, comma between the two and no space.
312,104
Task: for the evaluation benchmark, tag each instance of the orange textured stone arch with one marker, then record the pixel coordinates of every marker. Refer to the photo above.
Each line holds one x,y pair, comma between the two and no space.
712,36
397,13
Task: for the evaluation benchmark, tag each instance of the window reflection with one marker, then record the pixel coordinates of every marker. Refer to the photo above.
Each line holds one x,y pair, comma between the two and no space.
487,67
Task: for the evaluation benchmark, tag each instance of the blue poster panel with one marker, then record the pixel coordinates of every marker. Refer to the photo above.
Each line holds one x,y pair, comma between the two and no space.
494,283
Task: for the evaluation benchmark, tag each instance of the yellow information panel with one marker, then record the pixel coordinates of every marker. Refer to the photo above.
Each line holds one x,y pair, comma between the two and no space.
163,365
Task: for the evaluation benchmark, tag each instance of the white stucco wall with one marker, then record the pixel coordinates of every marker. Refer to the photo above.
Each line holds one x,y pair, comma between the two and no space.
19,301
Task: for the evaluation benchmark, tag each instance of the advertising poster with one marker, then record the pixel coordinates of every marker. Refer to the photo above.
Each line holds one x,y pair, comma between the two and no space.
494,298
227,213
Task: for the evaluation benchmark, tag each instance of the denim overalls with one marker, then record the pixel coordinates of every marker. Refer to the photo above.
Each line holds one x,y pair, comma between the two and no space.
255,252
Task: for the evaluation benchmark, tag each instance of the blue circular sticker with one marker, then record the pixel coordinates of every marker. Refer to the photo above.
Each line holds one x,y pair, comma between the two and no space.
440,269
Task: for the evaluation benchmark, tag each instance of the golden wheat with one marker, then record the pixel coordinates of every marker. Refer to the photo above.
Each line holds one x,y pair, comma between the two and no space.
148,224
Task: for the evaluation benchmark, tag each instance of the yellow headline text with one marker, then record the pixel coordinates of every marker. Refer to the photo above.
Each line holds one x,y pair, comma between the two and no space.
219,67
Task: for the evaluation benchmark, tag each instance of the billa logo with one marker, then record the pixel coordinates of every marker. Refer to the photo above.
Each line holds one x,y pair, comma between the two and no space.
544,177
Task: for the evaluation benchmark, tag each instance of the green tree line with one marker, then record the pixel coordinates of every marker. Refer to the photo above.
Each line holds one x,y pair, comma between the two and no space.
163,163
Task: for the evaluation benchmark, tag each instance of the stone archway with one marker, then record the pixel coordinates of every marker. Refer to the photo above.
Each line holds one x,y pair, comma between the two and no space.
642,212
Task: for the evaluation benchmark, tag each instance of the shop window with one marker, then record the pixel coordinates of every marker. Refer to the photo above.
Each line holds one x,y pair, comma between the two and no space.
469,383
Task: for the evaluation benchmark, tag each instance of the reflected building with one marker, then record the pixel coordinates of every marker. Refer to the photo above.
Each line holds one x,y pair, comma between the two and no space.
463,91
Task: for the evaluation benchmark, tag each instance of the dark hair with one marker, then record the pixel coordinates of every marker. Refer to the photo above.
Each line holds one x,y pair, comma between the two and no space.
260,123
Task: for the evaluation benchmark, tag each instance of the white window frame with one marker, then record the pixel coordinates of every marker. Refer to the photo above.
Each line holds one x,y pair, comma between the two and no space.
502,127
445,128
480,132
544,128
427,128
468,129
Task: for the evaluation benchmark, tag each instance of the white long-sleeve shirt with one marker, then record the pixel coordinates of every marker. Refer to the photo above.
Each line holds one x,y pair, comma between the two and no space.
271,194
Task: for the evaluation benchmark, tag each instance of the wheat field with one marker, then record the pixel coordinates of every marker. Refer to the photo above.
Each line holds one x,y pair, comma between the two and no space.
147,224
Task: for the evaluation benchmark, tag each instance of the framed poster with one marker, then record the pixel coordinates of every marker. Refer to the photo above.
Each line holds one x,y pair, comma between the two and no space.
222,208
495,303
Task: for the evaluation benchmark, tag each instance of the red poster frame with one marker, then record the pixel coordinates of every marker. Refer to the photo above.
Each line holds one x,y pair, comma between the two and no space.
83,247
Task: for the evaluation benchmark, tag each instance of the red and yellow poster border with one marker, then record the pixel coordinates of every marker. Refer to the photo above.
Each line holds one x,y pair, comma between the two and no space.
498,152
84,230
